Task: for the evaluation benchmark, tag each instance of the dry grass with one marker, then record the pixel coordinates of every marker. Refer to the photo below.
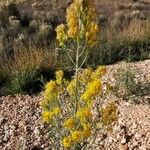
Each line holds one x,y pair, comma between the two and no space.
24,67
114,44
136,30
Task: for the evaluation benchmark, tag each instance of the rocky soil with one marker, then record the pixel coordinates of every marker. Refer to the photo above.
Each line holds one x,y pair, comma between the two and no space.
21,127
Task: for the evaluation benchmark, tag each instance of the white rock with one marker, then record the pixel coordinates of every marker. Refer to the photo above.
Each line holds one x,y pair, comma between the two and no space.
123,140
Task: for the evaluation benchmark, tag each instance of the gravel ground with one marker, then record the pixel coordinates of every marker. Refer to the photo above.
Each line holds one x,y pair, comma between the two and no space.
21,127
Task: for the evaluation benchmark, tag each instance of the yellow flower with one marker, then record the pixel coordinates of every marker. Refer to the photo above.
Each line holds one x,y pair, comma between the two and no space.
84,113
92,34
72,20
50,86
61,36
102,70
71,87
49,96
99,72
76,136
86,131
69,123
93,89
47,116
50,92
67,142
59,76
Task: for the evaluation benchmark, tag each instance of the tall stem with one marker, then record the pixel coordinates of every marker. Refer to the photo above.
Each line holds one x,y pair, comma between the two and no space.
76,75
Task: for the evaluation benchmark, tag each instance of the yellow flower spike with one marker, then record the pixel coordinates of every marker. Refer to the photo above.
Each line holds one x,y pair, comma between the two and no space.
50,86
59,77
92,34
51,91
61,35
71,87
48,115
59,74
66,142
93,89
99,72
72,21
102,70
76,136
69,123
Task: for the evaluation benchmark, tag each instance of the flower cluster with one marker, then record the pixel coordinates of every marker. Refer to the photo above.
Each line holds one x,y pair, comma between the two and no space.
59,77
48,115
61,35
93,89
50,103
92,34
78,130
99,72
72,20
81,23
75,126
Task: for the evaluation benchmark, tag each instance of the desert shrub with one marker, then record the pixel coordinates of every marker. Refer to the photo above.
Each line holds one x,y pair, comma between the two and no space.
67,105
125,81
17,26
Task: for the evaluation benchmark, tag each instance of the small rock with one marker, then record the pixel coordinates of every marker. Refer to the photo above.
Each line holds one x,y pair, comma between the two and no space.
36,132
5,139
110,140
2,120
137,136
123,147
21,124
142,147
123,140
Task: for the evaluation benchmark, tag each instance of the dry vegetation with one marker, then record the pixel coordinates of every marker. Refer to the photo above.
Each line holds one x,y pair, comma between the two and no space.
28,33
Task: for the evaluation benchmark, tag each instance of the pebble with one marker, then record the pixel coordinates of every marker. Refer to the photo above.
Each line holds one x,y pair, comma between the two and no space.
123,147
123,140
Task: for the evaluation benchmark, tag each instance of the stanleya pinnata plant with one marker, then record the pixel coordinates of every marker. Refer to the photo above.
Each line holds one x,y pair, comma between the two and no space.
67,105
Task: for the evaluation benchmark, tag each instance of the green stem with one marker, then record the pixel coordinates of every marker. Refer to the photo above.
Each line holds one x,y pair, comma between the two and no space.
76,75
